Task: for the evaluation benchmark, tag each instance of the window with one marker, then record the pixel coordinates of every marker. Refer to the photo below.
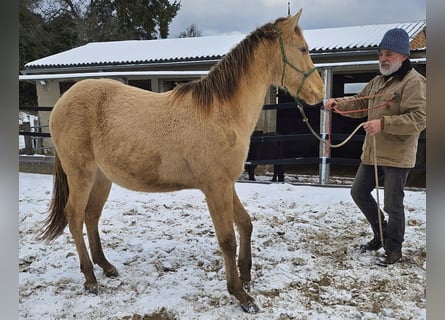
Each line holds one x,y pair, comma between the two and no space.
352,88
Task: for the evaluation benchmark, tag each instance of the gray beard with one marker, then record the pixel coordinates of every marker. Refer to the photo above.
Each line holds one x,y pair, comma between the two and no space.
392,68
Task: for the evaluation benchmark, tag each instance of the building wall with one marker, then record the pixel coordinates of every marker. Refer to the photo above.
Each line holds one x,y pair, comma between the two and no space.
48,92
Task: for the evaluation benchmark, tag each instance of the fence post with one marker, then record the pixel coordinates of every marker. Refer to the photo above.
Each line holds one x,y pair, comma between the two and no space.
28,140
38,145
325,150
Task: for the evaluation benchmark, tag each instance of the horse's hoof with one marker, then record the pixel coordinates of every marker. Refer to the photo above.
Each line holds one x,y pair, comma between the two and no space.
250,307
111,273
92,289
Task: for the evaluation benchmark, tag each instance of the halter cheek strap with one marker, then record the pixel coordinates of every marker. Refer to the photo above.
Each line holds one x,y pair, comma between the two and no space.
286,62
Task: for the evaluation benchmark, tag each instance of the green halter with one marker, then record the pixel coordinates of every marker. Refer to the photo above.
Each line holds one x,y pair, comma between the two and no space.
286,62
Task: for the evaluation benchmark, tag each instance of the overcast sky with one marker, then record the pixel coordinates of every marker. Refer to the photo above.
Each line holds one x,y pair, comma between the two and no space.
218,17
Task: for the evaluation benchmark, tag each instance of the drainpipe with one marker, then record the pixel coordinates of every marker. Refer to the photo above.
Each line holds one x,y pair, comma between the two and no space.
325,150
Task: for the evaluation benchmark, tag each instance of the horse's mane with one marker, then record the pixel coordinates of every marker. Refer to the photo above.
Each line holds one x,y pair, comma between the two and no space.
222,80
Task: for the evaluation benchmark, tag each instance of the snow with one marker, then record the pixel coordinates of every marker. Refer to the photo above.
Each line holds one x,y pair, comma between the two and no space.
306,260
132,51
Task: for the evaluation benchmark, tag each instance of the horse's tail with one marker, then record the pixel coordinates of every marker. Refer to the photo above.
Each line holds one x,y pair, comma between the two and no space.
56,222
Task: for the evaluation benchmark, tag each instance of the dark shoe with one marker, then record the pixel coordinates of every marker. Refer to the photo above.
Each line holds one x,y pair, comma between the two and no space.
390,257
373,245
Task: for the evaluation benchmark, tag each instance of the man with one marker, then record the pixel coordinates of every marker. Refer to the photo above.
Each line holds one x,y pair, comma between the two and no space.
396,126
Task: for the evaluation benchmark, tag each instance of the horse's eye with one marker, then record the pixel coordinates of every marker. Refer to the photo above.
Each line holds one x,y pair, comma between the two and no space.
304,50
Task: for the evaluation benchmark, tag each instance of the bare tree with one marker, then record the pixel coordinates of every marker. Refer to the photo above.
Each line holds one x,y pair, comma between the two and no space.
191,31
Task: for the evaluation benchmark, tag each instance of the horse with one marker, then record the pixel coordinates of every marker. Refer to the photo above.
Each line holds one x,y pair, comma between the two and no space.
195,136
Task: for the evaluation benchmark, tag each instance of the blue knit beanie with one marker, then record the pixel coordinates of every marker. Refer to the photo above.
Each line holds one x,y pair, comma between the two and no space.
396,40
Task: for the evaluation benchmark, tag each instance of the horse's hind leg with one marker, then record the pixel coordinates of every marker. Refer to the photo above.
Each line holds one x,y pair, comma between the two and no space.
80,181
244,224
98,195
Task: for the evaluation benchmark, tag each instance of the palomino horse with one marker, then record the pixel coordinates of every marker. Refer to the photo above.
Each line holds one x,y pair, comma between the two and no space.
194,136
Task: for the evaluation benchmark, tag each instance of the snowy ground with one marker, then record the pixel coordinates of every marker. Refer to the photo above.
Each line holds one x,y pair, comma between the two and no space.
306,262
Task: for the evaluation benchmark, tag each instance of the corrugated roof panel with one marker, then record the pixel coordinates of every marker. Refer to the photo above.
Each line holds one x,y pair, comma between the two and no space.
356,36
138,51
182,49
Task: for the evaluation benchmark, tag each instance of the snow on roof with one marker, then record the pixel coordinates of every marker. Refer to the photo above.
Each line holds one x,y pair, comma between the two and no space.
367,36
213,47
139,51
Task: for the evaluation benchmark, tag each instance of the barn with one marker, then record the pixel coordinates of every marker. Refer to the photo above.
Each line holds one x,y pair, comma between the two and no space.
346,57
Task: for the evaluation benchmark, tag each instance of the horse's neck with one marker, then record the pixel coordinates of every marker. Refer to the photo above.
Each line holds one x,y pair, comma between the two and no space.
254,87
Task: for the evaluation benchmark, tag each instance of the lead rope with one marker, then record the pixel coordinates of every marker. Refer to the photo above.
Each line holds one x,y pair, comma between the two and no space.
306,120
377,190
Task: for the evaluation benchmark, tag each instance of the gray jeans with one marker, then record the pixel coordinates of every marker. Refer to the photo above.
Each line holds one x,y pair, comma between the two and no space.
393,181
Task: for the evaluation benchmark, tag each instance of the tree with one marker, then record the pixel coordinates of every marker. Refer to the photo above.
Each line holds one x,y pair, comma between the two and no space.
65,17
101,21
138,19
191,31
62,31
33,37
52,26
165,12
33,44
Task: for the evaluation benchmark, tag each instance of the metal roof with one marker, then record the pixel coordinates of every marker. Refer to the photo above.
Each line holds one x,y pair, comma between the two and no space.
141,51
354,37
213,47
188,74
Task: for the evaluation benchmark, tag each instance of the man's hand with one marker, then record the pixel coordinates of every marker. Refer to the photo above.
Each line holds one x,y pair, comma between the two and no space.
373,127
330,103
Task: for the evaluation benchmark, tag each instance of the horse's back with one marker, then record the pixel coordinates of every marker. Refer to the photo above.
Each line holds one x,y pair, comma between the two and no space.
83,97
91,104
75,111
127,132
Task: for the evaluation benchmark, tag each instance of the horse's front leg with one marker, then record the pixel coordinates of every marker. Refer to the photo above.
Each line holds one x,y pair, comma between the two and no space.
220,200
244,224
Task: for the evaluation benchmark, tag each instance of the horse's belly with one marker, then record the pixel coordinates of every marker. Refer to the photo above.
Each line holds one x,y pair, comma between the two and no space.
146,177
170,168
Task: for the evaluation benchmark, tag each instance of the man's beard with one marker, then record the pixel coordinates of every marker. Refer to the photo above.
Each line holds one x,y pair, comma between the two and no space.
393,67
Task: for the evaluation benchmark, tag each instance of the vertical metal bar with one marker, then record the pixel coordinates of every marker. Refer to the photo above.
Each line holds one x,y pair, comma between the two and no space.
325,150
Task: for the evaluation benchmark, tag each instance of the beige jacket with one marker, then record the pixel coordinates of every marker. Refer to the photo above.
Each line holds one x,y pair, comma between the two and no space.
402,120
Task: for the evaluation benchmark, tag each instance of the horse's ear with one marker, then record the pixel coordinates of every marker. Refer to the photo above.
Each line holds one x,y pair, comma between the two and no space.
294,19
